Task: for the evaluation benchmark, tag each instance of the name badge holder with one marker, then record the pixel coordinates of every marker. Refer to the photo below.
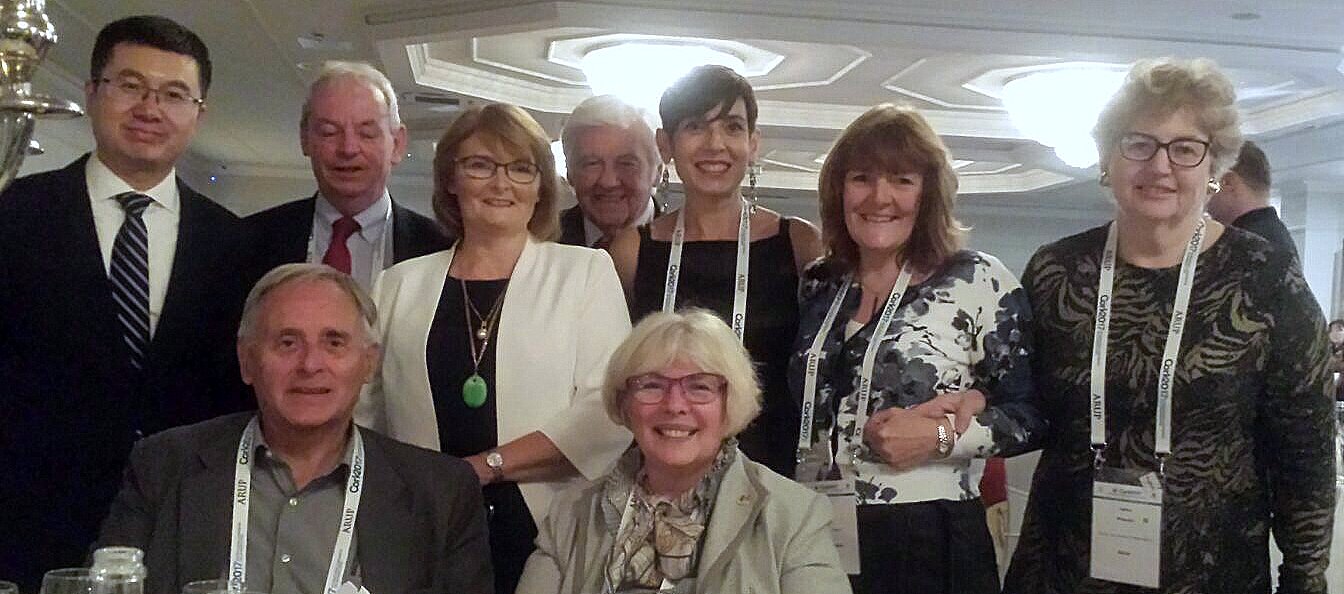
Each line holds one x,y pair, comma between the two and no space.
818,467
242,504
1126,502
739,320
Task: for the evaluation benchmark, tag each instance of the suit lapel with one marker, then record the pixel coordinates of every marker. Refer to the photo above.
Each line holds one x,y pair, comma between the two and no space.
731,517
401,235
194,258
386,528
206,510
84,258
294,244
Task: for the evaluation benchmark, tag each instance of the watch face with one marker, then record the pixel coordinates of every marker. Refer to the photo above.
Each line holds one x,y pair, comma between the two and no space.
494,460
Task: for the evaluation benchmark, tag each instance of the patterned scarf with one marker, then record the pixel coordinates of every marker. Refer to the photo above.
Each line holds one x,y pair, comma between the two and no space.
663,537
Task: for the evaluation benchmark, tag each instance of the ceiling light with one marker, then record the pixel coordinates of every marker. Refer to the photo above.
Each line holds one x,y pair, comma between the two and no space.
1058,109
639,72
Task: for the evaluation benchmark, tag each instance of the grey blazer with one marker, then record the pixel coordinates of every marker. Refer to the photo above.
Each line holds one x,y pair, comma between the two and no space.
766,535
421,524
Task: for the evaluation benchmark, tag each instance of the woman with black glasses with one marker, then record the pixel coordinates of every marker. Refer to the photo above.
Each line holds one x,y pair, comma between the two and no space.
1183,366
494,349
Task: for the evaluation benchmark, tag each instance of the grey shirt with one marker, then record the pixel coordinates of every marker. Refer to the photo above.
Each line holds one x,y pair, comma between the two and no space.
291,532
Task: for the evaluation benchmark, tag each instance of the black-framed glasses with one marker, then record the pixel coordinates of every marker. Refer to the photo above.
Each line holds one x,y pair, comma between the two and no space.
1182,152
697,388
130,90
477,167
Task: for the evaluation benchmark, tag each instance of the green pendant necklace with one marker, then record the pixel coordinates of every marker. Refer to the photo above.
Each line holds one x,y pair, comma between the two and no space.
474,390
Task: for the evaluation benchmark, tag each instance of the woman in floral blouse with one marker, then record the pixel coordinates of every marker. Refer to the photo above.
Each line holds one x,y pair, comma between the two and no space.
948,384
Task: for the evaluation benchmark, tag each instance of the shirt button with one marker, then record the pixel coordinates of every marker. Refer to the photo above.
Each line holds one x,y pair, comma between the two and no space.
284,558
293,502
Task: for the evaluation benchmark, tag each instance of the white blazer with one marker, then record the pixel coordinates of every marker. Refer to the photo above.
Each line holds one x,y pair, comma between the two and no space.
563,315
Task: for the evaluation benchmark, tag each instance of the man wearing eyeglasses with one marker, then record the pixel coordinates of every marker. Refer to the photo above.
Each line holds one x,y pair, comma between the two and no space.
113,320
351,131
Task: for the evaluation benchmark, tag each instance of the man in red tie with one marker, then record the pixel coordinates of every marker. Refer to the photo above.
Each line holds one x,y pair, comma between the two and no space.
352,133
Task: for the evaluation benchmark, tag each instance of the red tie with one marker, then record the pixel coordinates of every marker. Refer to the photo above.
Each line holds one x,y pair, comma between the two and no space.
338,254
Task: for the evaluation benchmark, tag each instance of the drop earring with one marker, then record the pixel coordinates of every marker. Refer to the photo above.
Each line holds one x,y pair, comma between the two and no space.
1105,179
663,183
752,172
1214,186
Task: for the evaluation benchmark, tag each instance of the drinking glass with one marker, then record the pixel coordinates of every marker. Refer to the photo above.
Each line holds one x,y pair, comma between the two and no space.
218,587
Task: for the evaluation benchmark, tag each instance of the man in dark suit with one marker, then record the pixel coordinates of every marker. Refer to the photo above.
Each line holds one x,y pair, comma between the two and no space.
1243,199
115,312
295,477
351,131
611,161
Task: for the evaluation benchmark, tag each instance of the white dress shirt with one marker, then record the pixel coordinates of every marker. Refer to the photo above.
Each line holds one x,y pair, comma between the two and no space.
370,247
161,218
591,233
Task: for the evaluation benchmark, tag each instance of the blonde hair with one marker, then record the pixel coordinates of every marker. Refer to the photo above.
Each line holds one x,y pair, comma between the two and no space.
892,139
693,335
514,131
1162,86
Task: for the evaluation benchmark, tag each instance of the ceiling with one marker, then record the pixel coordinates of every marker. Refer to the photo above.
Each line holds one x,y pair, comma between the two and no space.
828,61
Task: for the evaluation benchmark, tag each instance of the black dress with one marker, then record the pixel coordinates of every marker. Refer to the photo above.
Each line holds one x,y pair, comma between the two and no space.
466,431
707,275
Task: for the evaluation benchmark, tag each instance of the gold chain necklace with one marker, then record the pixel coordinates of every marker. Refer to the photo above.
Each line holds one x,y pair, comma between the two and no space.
474,390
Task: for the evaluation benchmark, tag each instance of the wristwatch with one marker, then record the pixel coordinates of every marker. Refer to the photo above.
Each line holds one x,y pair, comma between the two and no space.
944,441
495,461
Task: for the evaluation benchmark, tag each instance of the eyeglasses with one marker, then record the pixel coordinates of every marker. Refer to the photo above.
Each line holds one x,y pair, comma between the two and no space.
1183,152
696,388
523,172
129,90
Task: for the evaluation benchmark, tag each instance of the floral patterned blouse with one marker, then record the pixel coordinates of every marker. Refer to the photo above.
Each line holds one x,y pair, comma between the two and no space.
1251,419
966,326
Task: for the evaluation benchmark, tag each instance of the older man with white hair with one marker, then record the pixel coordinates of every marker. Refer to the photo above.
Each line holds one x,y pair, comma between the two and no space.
352,133
295,498
612,163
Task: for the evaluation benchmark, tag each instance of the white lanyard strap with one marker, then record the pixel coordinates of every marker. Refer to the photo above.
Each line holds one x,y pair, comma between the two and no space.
242,503
627,516
813,362
1170,352
379,256
739,319
870,358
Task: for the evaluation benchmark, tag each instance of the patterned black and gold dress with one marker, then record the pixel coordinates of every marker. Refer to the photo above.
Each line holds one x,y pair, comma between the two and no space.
1252,423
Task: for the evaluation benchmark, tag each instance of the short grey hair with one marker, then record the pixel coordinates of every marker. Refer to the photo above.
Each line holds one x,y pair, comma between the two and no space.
363,72
696,336
1161,86
297,272
610,110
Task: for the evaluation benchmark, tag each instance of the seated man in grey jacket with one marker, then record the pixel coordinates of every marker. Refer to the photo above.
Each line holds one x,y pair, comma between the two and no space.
296,498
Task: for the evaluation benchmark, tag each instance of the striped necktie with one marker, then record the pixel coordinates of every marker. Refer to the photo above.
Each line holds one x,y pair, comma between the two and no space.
129,273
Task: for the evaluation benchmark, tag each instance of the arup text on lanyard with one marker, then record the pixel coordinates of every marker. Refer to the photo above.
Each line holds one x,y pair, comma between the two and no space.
242,502
1167,372
739,319
1127,502
866,371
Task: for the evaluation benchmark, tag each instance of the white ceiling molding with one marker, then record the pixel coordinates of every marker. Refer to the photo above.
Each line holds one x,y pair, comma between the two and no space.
1328,105
490,86
890,85
570,52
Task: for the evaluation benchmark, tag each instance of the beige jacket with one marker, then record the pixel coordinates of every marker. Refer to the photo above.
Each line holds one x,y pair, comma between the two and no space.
766,535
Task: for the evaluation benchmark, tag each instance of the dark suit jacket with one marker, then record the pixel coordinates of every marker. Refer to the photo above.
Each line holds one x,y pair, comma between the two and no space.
70,403
279,235
1265,222
571,224
421,524
571,227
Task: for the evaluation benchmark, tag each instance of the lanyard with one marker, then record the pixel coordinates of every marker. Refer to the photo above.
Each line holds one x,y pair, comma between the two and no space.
627,516
242,502
379,255
739,320
865,372
1167,372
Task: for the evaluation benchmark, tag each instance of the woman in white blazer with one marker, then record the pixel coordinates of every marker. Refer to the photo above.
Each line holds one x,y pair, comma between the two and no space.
494,350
